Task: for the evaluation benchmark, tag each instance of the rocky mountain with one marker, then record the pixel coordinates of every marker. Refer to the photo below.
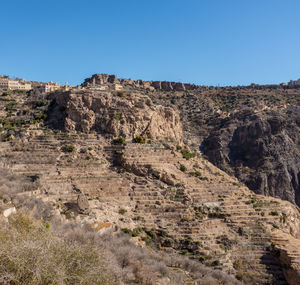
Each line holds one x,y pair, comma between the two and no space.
118,115
178,168
261,149
250,132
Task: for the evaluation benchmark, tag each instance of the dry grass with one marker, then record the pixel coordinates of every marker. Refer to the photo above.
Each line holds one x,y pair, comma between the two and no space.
11,184
31,253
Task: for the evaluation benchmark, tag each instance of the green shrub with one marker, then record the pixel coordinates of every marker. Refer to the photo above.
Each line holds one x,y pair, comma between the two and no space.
122,211
139,139
162,233
178,147
68,148
8,138
217,215
121,170
11,105
182,168
40,103
274,213
117,116
147,239
120,140
203,178
136,231
40,117
215,263
35,177
150,233
283,218
120,93
126,231
198,175
187,154
137,218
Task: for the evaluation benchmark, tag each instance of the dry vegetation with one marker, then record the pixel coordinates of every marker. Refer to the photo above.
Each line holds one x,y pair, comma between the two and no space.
11,184
36,251
31,253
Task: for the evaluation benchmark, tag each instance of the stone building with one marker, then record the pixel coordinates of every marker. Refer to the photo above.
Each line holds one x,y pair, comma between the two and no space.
11,84
294,83
47,87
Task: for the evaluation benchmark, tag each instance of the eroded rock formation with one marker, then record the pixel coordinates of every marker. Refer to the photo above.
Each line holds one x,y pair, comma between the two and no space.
126,116
102,79
261,149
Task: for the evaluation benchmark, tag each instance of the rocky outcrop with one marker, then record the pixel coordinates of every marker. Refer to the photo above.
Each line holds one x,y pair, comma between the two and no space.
83,204
107,80
294,83
170,86
119,116
99,79
262,150
286,250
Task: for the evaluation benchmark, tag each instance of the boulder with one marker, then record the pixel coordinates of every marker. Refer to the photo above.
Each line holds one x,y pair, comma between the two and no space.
83,204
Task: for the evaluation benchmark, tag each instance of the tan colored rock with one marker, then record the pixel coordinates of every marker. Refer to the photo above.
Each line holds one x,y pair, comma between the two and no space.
119,116
287,248
83,203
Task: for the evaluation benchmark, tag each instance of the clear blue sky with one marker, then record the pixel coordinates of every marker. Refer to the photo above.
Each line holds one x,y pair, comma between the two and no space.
207,42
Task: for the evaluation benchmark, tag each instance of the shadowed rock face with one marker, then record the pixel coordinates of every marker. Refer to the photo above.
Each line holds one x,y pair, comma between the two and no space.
261,150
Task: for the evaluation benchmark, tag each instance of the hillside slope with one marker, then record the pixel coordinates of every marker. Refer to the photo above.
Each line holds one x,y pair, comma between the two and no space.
121,161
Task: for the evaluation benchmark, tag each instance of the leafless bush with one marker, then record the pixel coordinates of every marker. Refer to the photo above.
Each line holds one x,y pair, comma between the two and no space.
207,280
12,184
31,253
38,207
131,262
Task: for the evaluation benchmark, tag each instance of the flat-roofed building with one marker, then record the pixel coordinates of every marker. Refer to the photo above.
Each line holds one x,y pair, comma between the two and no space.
25,86
6,83
13,84
47,87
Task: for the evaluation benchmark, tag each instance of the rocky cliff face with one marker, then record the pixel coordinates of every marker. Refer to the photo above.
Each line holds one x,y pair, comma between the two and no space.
251,132
163,192
103,79
261,149
259,145
286,249
119,115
